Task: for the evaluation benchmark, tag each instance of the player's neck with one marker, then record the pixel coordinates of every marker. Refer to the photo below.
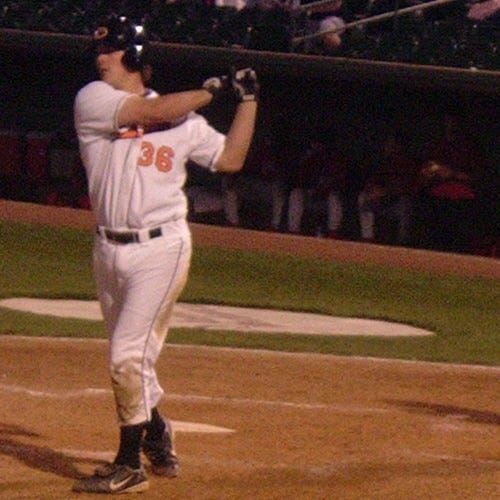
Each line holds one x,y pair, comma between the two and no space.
133,83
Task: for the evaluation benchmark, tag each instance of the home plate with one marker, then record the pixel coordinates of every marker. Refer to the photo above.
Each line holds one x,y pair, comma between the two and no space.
195,427
177,425
245,319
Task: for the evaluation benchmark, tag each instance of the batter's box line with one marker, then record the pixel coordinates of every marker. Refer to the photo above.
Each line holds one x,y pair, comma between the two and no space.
92,392
89,392
274,403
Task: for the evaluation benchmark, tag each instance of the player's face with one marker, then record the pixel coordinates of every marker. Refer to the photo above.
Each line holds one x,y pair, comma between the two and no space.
111,68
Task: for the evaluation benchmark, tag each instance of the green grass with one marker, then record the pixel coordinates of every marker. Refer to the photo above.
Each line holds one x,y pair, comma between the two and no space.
40,261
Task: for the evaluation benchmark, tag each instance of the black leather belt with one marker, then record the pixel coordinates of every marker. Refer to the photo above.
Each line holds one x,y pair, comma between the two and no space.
125,237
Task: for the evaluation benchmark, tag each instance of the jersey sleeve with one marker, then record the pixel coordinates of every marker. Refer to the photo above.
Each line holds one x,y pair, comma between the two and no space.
96,109
207,143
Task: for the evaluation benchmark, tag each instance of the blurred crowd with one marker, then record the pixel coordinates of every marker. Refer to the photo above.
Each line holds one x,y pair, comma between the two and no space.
444,197
456,33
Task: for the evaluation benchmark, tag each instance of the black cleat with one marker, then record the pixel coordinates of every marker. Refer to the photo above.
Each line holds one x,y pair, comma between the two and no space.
113,479
161,454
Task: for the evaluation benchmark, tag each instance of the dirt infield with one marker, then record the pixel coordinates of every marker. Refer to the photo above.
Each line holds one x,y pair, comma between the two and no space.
303,426
256,424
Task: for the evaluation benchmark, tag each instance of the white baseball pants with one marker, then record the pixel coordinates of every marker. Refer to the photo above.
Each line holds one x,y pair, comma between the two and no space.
138,285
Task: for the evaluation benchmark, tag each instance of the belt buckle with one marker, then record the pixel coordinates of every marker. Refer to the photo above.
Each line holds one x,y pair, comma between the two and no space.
155,232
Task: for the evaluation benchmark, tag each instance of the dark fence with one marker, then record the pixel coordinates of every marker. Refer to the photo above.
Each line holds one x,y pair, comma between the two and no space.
41,73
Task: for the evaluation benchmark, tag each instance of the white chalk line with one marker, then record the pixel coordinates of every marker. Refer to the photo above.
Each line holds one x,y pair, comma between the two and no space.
274,403
195,427
266,352
194,398
54,395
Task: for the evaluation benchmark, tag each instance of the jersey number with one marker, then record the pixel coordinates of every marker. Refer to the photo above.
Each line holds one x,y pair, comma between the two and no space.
162,158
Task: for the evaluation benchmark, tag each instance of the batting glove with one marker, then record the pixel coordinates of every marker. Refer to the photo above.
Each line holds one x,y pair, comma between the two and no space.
245,84
216,84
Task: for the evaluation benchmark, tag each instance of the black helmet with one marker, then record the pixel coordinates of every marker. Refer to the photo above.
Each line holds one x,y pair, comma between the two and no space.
119,33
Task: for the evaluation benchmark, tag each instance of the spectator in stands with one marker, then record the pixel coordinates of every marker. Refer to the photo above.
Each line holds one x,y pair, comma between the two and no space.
450,185
325,18
386,200
441,37
256,197
479,11
207,197
332,27
234,4
315,202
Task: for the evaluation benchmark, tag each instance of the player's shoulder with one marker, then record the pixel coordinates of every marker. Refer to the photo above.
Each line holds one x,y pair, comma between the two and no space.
93,89
94,86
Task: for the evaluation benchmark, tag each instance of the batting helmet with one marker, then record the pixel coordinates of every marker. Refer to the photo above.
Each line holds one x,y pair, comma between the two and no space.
119,33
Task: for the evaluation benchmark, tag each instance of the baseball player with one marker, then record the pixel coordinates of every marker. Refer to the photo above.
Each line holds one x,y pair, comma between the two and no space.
134,144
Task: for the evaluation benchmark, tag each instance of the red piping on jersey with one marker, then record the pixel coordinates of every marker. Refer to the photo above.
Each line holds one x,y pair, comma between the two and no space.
139,131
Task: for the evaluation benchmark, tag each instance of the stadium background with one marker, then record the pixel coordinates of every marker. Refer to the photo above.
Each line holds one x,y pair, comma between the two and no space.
433,436
353,101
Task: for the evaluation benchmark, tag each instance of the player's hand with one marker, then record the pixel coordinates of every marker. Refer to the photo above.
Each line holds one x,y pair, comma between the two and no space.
245,84
216,84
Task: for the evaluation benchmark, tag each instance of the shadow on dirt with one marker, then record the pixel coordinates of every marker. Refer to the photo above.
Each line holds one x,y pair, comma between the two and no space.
439,410
42,458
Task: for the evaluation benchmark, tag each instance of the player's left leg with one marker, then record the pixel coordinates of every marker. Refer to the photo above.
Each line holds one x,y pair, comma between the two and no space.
154,275
158,446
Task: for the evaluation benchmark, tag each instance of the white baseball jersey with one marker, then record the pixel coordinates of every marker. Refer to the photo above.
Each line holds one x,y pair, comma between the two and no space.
135,180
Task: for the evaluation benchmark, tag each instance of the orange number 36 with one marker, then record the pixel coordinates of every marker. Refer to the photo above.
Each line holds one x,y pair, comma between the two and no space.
162,158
